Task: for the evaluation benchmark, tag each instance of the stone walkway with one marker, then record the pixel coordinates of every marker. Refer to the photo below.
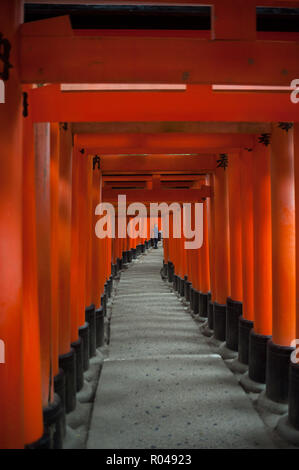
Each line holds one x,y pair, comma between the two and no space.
161,386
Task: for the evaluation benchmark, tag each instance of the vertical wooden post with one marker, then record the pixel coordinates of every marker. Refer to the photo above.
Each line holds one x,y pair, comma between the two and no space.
11,244
234,302
246,198
262,330
293,414
222,272
283,263
33,420
211,235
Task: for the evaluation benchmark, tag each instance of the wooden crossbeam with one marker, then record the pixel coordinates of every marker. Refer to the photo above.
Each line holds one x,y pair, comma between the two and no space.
198,103
166,143
48,58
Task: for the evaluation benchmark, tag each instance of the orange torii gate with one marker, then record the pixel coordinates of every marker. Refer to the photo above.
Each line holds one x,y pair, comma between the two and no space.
30,267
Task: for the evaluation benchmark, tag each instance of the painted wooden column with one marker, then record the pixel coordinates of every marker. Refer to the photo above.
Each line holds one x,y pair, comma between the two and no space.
262,330
67,354
54,190
96,247
234,302
82,253
211,235
283,262
204,266
88,229
33,418
222,272
11,243
43,217
246,198
293,412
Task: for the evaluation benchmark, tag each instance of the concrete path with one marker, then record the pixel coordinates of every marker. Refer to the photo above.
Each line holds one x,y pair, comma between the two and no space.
161,386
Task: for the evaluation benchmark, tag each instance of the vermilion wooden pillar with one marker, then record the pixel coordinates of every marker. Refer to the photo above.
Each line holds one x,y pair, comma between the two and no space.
211,235
283,262
43,215
75,266
11,244
262,330
234,302
88,230
293,415
82,251
246,199
33,420
96,246
67,354
54,182
222,274
204,266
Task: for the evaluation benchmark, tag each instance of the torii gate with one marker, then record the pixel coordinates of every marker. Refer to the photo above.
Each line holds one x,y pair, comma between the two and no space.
49,52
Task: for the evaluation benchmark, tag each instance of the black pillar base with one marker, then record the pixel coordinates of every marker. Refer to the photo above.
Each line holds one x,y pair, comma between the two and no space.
59,389
143,248
53,424
181,286
125,257
134,254
129,256
187,290
104,303
195,302
119,264
293,395
170,271
84,335
257,357
99,327
90,317
114,270
211,315
233,312
191,297
78,348
219,321
152,243
244,329
110,285
175,282
43,443
203,304
67,362
277,372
